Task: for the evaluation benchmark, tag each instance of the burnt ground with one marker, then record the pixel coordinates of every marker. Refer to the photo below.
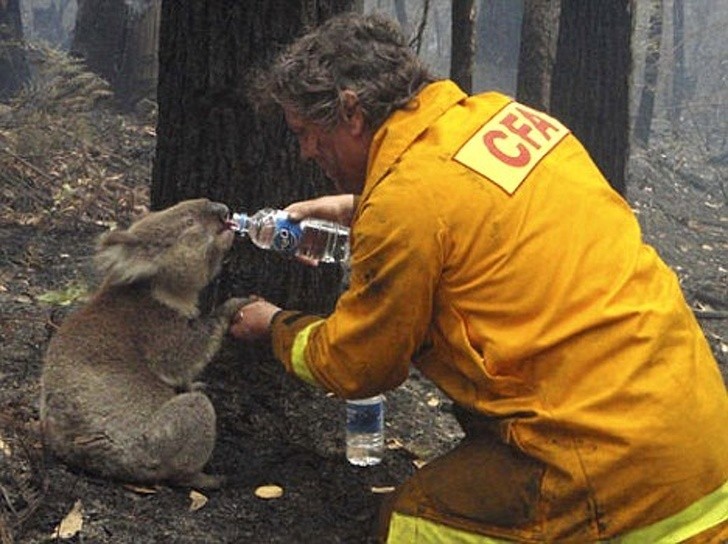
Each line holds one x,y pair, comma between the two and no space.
272,428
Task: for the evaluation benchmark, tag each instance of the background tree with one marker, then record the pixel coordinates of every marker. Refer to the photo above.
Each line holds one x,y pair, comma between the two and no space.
539,33
209,142
14,72
589,91
118,40
462,51
643,120
679,79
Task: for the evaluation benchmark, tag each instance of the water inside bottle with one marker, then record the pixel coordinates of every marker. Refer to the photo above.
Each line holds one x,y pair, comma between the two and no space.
323,241
364,449
365,431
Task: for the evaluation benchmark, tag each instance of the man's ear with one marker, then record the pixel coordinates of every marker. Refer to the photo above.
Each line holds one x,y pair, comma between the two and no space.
351,112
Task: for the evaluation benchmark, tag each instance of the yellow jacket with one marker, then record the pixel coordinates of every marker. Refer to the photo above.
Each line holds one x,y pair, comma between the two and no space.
488,249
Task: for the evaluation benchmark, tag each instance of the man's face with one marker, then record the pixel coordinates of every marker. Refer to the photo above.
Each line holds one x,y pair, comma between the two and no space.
341,152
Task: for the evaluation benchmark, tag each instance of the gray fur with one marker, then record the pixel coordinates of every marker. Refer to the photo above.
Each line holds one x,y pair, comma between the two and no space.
117,393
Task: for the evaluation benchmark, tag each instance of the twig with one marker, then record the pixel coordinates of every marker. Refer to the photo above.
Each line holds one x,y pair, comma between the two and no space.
711,314
26,163
6,496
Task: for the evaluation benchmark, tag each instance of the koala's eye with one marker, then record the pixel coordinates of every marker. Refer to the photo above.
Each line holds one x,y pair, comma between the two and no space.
190,221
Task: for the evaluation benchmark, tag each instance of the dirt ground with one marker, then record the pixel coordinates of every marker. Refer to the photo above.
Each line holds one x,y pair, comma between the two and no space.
272,428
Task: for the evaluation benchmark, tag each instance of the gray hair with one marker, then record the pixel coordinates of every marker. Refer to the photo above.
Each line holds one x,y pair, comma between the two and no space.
366,54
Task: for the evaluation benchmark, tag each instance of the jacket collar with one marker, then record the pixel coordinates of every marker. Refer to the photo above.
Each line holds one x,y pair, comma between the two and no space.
405,125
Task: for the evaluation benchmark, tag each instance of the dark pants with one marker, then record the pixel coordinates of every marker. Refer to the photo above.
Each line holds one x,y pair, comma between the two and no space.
479,486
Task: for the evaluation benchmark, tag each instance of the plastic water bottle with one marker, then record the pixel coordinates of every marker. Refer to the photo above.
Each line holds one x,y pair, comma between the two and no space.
314,239
365,431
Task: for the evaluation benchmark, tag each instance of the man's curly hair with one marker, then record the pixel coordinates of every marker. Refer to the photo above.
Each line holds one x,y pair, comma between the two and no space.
367,54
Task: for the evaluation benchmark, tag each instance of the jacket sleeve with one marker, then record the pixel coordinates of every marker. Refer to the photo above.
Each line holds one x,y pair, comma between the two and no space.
365,346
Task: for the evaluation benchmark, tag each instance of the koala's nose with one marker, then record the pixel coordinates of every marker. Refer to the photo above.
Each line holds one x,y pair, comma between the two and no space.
220,210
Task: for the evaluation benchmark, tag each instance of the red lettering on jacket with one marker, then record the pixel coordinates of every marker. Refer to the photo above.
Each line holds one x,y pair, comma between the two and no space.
489,138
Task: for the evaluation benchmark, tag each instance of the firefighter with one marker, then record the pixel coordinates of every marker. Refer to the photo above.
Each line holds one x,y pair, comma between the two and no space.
490,252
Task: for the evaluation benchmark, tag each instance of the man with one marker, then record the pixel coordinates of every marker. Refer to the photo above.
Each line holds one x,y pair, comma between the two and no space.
488,250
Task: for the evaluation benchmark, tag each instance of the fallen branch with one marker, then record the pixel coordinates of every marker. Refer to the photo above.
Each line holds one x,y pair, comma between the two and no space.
28,164
710,314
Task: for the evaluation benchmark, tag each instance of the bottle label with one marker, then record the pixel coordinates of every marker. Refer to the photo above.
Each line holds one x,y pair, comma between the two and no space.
364,418
287,235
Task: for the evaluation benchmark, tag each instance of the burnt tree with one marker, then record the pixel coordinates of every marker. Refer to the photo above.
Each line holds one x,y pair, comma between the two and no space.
589,90
539,31
210,143
14,71
643,120
679,78
118,40
463,44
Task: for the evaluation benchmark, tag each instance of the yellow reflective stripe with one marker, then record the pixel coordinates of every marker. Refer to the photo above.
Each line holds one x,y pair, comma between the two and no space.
405,529
700,516
298,361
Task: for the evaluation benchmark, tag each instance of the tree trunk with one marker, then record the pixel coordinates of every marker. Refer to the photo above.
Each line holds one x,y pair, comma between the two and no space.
118,41
643,120
137,77
462,51
589,90
210,143
14,71
679,81
539,33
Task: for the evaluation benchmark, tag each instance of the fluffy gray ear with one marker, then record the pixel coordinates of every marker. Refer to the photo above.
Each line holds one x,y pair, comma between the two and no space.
121,258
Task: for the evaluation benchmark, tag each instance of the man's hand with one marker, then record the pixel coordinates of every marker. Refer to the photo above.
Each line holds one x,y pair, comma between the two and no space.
336,208
252,321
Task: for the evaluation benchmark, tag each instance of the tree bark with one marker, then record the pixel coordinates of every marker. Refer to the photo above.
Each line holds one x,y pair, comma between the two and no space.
14,71
679,79
462,51
118,40
590,82
643,119
210,143
539,33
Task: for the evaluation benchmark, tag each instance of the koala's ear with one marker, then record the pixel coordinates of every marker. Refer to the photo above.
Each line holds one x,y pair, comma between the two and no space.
122,259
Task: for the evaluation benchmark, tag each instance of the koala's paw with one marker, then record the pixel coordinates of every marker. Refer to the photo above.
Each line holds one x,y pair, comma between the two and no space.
230,307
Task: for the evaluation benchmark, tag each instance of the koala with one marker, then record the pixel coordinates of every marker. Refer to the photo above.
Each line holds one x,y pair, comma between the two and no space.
117,391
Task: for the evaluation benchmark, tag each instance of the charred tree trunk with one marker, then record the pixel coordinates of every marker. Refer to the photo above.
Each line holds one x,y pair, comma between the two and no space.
137,77
118,40
590,82
679,81
643,120
462,51
539,32
210,143
14,71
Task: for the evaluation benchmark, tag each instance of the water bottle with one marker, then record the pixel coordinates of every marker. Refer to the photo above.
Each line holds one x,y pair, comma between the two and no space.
314,239
365,431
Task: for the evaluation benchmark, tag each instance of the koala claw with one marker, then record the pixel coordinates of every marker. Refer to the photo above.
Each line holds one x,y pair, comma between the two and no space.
231,306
